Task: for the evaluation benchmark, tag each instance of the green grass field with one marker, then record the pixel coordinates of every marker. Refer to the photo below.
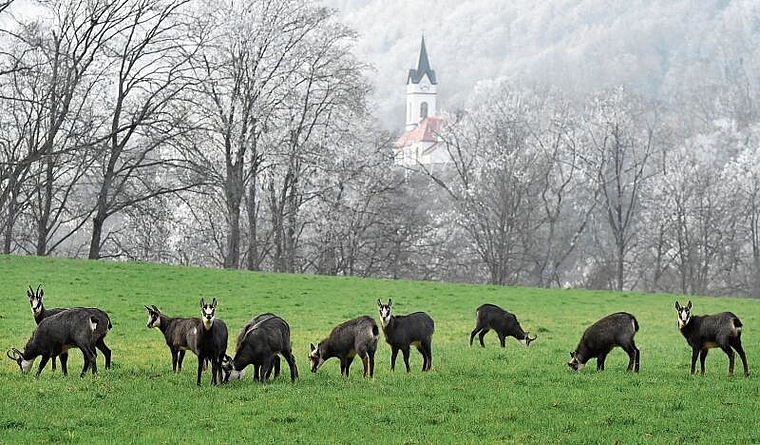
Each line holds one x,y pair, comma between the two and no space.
473,395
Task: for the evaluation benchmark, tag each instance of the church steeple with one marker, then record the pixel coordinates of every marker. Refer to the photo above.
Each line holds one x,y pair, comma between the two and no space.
423,67
420,90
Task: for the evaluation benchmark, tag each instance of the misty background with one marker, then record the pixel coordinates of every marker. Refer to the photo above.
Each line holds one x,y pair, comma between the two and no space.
595,144
660,49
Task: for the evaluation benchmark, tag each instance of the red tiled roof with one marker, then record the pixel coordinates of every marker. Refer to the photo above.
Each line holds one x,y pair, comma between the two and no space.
425,131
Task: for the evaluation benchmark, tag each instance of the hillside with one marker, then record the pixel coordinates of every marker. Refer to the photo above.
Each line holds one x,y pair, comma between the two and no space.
661,49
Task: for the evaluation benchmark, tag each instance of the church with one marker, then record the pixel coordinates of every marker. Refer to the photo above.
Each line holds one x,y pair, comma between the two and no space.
420,143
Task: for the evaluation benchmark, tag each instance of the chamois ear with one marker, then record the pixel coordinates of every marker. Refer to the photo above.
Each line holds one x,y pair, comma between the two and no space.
155,308
213,303
311,347
203,303
678,306
40,292
379,303
149,309
688,306
390,302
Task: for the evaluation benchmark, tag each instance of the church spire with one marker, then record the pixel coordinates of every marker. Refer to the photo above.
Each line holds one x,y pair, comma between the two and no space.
423,67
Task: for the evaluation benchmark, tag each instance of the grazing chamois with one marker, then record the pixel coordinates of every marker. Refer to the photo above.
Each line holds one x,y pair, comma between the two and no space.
702,332
40,313
403,331
357,336
616,329
212,342
181,334
72,328
258,343
490,316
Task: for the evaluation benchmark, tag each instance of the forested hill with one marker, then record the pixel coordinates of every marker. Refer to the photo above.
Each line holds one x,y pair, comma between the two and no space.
662,49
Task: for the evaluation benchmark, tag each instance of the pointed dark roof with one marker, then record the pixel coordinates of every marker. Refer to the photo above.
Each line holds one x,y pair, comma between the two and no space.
423,68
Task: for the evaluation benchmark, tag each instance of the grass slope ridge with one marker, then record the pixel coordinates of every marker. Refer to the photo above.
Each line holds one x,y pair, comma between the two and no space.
473,395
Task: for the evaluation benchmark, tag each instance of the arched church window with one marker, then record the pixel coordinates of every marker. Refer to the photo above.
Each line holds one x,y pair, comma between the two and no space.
423,110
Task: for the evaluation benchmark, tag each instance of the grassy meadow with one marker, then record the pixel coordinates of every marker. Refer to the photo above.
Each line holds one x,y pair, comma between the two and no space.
472,395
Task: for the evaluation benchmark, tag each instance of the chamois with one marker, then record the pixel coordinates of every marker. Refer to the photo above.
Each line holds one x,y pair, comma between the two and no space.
212,342
490,316
40,313
702,332
402,331
72,328
357,336
616,329
181,334
258,343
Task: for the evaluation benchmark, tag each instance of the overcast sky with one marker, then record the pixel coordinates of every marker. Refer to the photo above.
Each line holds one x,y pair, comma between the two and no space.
653,47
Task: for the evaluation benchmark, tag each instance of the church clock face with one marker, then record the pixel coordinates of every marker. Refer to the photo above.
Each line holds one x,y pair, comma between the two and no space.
424,87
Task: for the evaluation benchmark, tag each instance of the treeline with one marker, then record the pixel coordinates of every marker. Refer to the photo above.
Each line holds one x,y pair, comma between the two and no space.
238,135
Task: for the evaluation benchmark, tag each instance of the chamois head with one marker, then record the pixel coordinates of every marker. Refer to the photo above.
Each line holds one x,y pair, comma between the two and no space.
575,362
35,299
385,311
684,314
315,356
23,364
207,313
228,370
526,341
154,316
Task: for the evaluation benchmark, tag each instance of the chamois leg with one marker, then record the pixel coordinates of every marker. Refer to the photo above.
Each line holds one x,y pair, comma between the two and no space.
106,352
421,350
694,355
43,362
371,363
93,360
266,369
394,354
633,356
638,359
480,337
365,365
730,353
64,363
736,343
89,362
291,364
702,358
427,355
502,340
600,361
276,365
200,370
405,351
472,334
180,358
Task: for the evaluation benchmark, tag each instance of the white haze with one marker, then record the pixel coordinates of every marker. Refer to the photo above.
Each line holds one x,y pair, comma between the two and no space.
658,48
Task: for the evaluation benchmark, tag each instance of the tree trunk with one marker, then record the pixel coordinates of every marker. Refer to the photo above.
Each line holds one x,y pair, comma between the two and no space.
44,219
252,255
97,233
234,197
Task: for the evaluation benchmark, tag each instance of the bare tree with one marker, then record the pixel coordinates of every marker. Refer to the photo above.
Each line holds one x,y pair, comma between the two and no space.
55,74
150,57
622,136
494,182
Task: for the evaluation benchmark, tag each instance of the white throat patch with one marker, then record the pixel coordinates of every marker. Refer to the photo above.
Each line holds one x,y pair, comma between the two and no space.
26,365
